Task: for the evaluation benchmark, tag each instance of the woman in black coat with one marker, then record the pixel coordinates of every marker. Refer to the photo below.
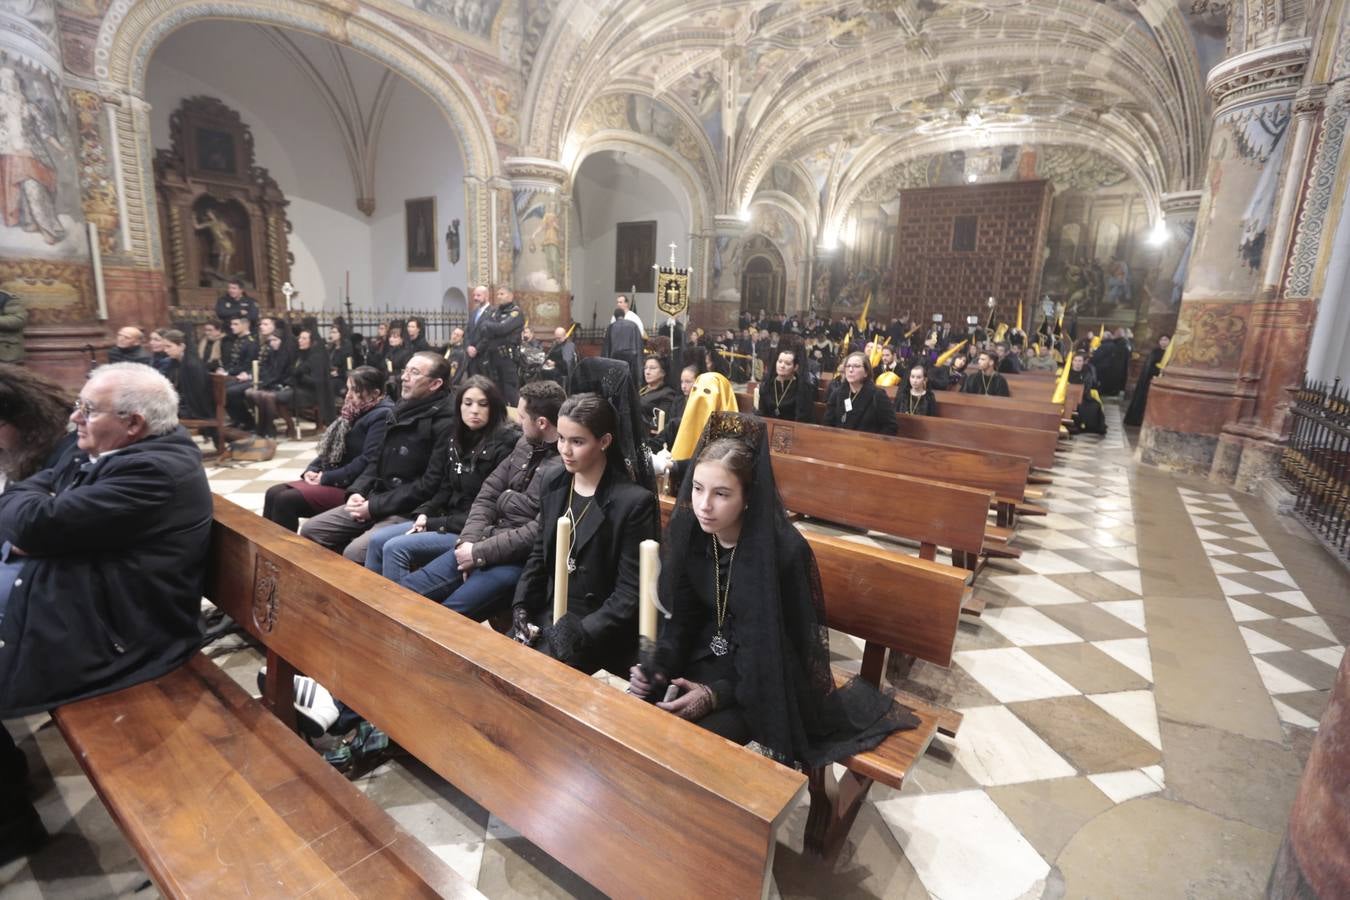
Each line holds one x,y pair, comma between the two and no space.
479,441
349,443
188,376
611,516
788,395
858,404
1152,368
655,394
915,397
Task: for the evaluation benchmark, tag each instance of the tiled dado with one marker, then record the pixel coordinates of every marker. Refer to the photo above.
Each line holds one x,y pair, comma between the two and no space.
1293,649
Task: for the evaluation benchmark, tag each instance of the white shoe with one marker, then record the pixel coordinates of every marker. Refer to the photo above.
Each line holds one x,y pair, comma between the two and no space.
312,701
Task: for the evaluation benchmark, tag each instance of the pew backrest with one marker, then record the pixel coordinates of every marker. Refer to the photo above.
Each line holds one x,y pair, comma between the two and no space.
1038,445
627,796
1002,473
933,513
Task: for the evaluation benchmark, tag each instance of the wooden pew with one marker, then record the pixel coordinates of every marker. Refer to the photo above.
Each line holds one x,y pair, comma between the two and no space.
931,513
1037,445
220,799
898,604
630,798
1003,474
999,410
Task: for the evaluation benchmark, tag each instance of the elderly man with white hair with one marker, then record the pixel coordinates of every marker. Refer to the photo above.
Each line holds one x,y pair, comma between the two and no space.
101,566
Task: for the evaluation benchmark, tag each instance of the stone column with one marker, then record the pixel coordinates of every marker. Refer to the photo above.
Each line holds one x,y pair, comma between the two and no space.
540,198
44,239
724,254
1217,402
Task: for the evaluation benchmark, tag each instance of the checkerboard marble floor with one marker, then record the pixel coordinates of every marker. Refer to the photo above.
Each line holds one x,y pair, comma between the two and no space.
1110,735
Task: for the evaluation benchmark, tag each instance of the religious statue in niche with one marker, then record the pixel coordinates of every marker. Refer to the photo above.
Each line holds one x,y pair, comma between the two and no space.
452,242
222,216
419,227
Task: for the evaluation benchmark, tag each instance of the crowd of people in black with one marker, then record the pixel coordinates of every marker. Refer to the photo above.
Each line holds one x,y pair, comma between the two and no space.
447,470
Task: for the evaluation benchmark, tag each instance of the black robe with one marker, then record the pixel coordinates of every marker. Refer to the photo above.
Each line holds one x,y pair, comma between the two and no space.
794,404
922,406
1089,416
1139,401
871,410
977,382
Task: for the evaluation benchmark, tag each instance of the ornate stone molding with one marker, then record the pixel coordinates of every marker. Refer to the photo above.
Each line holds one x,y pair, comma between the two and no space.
1257,73
1320,191
1181,204
536,172
729,226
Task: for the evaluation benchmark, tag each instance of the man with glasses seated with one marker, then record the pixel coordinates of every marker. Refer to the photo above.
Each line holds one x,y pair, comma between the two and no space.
101,566
395,482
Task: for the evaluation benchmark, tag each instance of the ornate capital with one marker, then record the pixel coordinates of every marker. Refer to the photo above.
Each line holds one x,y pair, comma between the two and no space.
1180,204
536,172
1257,73
729,226
1309,101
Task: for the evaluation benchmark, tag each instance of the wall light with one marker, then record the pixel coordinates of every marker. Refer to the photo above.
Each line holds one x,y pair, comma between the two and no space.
1158,235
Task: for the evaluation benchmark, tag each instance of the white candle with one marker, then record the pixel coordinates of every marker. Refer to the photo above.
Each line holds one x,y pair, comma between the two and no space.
560,573
648,563
96,257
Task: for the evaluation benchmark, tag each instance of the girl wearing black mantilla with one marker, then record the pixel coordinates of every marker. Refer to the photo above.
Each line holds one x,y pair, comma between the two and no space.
746,644
606,489
788,395
858,404
915,397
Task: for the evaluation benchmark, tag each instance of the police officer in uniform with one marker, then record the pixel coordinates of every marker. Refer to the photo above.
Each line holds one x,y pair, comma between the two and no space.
496,343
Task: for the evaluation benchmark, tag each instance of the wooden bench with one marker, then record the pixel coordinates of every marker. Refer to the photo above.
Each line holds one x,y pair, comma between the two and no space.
896,604
1037,445
630,798
1002,473
932,513
216,425
999,411
219,799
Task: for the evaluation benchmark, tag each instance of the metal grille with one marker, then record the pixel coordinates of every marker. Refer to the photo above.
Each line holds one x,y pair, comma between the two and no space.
1316,463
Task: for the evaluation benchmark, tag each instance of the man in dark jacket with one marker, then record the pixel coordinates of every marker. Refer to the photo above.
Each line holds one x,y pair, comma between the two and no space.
479,308
127,346
479,577
396,480
623,341
101,567
234,302
495,343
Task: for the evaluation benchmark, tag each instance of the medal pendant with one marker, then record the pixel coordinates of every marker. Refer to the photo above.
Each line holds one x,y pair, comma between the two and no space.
571,565
719,645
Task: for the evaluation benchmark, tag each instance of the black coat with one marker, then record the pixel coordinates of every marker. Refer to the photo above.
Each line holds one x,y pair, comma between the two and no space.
361,445
461,474
228,308
924,406
603,591
797,403
977,382
396,480
872,411
111,593
190,378
662,398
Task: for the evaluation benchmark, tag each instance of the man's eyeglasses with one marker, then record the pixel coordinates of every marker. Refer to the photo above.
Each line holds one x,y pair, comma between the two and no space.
87,409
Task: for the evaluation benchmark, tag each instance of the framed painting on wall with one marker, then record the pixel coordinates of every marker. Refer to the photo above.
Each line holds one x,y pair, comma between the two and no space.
419,228
634,256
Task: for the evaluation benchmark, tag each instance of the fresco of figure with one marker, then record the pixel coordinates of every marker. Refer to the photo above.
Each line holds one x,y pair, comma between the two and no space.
28,176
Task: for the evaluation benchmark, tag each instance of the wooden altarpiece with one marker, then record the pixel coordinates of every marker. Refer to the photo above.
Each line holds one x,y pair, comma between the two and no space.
221,215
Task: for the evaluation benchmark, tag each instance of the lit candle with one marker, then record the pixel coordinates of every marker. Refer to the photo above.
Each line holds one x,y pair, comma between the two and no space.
560,573
660,421
648,563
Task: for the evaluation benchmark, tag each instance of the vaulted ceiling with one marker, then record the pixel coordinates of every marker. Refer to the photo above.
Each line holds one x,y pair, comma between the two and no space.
843,90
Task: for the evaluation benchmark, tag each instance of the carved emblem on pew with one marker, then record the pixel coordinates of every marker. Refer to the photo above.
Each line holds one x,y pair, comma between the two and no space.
781,441
266,606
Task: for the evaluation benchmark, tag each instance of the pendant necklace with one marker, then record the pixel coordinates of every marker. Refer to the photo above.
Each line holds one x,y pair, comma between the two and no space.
778,397
576,521
721,596
986,381
914,402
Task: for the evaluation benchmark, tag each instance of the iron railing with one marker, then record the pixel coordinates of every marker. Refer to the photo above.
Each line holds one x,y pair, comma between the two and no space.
1316,462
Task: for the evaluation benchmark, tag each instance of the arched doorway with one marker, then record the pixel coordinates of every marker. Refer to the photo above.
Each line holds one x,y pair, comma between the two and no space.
132,31
763,280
